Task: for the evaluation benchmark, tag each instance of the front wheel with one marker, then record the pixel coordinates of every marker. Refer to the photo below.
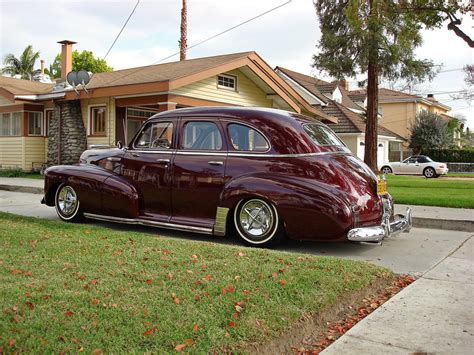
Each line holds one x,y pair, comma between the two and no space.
257,223
429,173
67,204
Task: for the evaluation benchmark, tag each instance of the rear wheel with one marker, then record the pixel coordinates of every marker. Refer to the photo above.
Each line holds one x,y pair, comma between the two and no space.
257,222
429,173
386,170
67,204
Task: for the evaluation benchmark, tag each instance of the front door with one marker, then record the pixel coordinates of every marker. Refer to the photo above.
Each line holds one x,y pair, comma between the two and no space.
147,164
198,170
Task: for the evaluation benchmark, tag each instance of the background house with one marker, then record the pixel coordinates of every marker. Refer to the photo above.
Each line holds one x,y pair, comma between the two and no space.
53,124
335,100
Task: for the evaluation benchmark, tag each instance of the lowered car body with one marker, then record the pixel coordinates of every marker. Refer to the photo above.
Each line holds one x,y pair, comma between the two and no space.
262,173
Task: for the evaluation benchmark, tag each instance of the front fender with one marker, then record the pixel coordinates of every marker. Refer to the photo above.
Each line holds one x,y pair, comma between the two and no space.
100,191
310,209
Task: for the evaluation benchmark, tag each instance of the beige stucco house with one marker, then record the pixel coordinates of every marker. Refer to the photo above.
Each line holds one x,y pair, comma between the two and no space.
398,110
53,123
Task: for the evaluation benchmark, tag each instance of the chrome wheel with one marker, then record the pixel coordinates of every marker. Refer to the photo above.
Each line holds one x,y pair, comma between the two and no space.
256,221
67,202
386,170
429,173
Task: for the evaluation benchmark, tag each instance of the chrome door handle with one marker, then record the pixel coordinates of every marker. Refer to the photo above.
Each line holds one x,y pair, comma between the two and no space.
135,155
163,161
215,162
113,159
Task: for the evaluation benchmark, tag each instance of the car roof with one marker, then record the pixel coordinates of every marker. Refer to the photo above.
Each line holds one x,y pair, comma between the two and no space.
283,129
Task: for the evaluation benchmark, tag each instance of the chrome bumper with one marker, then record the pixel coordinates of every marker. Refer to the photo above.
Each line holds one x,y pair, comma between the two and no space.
401,223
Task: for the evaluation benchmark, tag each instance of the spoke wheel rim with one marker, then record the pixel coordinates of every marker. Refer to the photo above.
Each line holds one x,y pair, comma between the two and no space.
429,173
386,171
256,219
67,202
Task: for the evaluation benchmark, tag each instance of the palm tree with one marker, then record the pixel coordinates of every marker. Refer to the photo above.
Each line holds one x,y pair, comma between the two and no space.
24,66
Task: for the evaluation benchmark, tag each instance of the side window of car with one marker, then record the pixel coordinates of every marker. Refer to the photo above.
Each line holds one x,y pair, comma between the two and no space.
422,160
246,138
411,161
201,135
157,135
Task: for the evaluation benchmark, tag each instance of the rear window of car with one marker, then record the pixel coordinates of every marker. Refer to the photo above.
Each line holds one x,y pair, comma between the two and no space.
321,135
246,138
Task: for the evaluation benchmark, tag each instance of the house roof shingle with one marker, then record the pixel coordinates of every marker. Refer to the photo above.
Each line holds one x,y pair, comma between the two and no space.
351,122
24,87
161,72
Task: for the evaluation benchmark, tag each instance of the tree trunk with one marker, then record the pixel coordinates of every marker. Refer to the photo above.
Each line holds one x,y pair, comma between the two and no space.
370,152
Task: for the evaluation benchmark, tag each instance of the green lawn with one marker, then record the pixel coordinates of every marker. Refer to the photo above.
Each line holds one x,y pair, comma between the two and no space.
431,192
469,175
13,173
68,288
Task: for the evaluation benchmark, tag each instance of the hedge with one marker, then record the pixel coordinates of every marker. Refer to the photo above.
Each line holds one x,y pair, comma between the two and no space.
451,155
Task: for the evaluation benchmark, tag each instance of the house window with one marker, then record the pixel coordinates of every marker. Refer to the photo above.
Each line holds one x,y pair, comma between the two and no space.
35,123
10,124
228,82
98,117
49,117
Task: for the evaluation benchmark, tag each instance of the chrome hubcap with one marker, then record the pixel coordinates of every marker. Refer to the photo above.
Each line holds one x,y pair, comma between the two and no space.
256,218
67,201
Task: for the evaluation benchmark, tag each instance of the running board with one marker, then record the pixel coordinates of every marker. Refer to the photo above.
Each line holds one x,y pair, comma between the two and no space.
148,223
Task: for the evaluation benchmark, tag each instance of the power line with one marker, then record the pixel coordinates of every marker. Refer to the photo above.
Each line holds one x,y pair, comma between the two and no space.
206,40
121,30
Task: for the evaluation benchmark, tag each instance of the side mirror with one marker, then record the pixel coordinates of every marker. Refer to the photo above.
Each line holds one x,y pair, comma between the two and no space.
119,144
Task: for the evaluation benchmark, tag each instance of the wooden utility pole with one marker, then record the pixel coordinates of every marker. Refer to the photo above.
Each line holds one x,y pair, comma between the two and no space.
370,152
183,42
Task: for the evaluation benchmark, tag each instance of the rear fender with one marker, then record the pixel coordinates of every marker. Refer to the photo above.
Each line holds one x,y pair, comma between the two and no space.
309,209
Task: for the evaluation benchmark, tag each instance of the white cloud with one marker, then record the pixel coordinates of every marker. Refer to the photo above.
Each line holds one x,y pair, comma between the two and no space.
285,37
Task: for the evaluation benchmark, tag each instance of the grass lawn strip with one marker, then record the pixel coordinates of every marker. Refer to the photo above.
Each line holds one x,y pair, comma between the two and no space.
431,192
66,287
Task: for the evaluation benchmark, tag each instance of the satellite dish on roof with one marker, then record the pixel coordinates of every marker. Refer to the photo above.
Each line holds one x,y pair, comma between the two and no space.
83,77
78,78
71,78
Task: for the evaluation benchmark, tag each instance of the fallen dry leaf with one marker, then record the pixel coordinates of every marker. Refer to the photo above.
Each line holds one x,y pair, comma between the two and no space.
196,327
95,301
189,341
29,305
283,282
180,347
94,282
68,314
231,324
170,276
149,282
149,331
12,342
97,352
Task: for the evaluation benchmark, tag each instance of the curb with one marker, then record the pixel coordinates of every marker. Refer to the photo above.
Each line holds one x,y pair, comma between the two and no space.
445,224
27,189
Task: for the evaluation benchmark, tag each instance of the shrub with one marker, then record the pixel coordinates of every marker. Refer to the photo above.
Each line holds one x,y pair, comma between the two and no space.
429,132
11,172
451,155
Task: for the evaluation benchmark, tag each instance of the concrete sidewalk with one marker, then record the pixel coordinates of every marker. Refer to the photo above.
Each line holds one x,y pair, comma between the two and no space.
435,314
459,219
34,186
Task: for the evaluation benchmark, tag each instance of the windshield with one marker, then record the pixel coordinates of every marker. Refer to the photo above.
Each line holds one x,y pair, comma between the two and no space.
321,135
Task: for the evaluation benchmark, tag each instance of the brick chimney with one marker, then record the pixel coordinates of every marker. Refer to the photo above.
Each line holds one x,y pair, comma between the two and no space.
42,66
66,57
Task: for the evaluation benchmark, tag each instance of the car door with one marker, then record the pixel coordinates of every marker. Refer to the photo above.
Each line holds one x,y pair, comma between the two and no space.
147,164
406,167
198,171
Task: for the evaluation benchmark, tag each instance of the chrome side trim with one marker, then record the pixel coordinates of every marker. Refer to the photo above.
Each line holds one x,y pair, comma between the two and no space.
235,154
221,221
146,222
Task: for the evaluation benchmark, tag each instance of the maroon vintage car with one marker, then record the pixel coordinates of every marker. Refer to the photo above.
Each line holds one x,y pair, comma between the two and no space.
263,173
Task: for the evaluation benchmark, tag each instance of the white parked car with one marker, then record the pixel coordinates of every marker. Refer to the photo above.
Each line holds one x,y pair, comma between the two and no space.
416,165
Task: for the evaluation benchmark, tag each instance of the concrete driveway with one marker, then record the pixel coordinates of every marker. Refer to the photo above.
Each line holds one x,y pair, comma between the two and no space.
413,253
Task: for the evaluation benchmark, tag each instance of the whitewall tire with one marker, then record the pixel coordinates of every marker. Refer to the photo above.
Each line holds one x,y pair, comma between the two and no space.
67,204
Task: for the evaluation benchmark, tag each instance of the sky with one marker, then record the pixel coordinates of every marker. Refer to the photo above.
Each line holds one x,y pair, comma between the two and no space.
286,37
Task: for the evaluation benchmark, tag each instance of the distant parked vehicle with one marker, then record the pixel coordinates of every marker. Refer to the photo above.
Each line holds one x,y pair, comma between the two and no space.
416,165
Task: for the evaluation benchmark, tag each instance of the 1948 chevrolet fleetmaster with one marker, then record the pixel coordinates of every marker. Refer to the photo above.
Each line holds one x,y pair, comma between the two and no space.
264,173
